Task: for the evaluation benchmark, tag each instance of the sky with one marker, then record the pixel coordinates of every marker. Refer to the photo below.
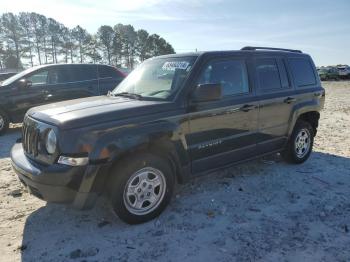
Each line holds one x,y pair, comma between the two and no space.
320,28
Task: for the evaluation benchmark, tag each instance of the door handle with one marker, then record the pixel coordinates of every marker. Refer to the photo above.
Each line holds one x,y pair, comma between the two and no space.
289,100
247,108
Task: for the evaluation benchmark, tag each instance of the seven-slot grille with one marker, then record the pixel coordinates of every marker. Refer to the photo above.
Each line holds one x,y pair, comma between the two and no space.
30,139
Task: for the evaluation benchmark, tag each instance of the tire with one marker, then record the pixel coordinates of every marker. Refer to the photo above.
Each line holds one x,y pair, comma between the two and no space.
135,194
4,122
300,143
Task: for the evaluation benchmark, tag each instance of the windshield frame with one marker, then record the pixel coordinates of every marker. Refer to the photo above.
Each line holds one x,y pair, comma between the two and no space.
172,96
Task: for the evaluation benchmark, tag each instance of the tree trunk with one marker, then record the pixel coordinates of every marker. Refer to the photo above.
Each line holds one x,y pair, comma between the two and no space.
31,54
81,53
38,49
109,56
45,51
71,56
52,50
17,51
66,55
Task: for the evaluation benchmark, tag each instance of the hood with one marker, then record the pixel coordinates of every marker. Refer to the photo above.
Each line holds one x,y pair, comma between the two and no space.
94,110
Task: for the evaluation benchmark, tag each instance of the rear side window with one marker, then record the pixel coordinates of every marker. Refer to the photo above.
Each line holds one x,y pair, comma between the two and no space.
107,71
231,74
302,71
267,73
85,72
68,73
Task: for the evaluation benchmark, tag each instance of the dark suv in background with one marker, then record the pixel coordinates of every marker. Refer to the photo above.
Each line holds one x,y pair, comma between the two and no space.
52,83
174,117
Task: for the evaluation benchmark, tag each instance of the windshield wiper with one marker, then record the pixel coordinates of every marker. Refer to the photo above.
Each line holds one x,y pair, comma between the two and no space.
127,94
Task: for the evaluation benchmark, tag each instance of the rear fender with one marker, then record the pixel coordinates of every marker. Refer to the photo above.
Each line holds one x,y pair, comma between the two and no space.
301,108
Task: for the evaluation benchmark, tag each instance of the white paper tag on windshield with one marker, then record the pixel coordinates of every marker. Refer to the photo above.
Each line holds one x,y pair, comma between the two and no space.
171,66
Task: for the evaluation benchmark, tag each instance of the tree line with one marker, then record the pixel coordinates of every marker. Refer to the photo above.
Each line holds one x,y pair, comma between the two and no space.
29,39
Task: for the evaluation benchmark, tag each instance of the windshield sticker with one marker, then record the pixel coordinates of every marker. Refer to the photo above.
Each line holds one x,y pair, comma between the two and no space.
171,66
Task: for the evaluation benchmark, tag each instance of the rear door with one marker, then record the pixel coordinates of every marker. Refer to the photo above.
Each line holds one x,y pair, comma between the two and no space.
223,132
72,81
109,78
276,95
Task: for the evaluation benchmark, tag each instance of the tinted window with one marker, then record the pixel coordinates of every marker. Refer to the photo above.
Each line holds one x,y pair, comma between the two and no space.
268,75
85,72
302,71
107,71
68,73
231,74
39,78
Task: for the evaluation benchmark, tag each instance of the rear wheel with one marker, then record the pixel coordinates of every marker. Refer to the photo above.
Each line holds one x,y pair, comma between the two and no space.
299,146
4,123
141,188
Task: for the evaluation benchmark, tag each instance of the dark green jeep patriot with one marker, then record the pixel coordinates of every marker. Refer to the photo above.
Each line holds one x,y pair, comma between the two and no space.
173,118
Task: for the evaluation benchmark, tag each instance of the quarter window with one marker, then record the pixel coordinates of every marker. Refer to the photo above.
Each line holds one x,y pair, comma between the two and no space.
268,75
302,71
231,74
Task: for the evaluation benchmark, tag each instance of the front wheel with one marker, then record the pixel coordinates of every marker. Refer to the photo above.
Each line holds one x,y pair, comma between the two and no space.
141,187
299,146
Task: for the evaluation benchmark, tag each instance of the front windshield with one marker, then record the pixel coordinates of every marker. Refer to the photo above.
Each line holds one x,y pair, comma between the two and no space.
19,76
156,78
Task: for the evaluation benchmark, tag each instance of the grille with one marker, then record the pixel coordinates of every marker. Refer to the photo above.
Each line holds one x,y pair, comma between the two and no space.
30,137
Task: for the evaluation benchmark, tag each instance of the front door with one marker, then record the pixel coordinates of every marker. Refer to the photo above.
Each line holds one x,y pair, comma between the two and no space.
27,97
223,132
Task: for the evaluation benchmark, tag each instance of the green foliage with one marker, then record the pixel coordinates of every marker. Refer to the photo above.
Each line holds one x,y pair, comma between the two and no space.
32,39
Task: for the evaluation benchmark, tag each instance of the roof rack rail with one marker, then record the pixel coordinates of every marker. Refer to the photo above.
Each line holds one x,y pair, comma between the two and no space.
269,48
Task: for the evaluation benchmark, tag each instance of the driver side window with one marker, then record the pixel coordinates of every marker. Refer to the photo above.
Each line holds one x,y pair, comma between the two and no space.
39,78
231,74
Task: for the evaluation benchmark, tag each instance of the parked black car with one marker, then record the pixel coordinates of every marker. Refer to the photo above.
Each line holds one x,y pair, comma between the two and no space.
52,83
6,75
172,118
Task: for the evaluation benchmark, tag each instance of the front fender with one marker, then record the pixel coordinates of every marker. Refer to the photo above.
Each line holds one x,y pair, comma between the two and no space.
113,145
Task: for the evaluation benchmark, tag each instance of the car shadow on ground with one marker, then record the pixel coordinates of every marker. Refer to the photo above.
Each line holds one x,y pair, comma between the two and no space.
8,140
241,211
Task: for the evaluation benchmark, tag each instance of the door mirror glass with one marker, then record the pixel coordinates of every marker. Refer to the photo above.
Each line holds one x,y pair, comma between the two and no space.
207,92
24,83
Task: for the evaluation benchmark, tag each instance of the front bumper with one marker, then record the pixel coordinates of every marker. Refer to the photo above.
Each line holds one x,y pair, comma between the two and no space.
56,183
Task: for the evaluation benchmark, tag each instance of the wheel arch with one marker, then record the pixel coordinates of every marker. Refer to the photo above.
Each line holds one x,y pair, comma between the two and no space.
166,143
308,111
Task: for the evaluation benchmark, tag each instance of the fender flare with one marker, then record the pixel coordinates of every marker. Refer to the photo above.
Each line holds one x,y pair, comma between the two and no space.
301,108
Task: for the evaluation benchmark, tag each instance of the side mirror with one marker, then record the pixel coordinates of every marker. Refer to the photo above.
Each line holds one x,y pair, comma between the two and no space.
23,83
207,92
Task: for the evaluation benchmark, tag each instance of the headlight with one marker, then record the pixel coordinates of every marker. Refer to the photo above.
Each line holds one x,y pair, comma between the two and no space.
51,142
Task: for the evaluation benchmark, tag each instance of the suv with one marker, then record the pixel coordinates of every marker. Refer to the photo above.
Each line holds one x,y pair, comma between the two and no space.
173,118
344,71
328,73
52,83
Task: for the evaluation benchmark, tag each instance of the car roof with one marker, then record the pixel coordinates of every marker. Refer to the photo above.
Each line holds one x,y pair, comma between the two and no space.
236,52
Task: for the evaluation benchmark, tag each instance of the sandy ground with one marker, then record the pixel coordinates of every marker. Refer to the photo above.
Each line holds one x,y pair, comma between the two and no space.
265,210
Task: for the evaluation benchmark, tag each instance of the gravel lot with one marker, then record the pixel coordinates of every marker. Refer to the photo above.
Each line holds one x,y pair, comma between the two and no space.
265,210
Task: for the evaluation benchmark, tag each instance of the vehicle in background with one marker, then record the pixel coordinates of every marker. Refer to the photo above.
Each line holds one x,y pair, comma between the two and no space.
52,83
5,74
173,118
344,71
328,73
